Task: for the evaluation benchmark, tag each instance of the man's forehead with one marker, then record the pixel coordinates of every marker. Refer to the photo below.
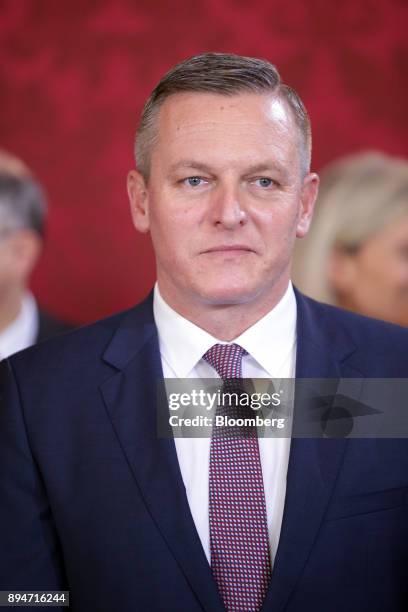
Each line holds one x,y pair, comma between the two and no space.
239,131
186,108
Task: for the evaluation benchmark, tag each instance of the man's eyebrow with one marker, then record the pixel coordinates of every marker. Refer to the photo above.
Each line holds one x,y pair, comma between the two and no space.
266,167
203,167
277,170
190,163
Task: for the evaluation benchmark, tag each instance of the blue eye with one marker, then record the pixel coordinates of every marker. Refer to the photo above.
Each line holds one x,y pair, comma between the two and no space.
264,181
194,181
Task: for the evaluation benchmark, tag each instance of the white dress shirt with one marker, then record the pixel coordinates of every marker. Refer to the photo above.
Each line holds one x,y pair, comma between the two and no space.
22,332
271,347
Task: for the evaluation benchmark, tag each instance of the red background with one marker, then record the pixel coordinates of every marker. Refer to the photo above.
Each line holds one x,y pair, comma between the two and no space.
73,77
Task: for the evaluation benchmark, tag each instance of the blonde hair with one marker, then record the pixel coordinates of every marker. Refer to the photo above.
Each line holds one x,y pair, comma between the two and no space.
359,195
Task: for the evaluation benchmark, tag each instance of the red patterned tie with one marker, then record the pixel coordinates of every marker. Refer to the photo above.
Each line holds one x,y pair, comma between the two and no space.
239,545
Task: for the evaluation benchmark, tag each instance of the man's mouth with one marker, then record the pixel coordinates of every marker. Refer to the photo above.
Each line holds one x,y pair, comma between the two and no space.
229,248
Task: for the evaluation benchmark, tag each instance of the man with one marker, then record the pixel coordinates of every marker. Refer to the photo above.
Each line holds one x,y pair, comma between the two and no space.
94,501
22,215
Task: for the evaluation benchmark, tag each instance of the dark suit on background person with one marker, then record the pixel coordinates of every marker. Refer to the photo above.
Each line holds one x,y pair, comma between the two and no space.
31,326
49,326
95,500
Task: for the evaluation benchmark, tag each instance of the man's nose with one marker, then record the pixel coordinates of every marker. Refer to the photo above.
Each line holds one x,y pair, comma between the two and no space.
227,208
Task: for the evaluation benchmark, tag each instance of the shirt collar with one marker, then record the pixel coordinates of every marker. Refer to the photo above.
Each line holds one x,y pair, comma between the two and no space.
268,341
22,332
182,343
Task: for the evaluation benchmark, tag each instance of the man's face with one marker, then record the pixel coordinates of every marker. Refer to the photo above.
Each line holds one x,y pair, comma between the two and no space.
225,199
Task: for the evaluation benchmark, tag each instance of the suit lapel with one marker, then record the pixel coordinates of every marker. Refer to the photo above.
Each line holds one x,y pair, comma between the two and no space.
131,400
314,463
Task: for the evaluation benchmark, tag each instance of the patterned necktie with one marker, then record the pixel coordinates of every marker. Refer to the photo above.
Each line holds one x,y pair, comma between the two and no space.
239,546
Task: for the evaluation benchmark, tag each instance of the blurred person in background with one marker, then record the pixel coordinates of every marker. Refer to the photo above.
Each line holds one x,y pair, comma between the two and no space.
356,253
22,216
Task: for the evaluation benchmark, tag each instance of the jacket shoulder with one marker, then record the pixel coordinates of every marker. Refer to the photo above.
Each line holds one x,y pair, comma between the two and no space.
82,347
49,326
381,347
356,325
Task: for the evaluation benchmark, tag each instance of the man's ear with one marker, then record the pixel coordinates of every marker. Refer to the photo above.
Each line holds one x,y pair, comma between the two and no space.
308,197
139,201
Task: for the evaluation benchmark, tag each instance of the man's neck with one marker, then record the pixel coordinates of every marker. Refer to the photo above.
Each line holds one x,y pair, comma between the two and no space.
226,322
10,307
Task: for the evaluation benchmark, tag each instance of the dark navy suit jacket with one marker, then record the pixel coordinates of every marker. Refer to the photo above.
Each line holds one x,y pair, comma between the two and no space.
91,500
49,326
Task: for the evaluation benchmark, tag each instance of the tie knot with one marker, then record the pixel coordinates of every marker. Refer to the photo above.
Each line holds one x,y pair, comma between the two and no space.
226,359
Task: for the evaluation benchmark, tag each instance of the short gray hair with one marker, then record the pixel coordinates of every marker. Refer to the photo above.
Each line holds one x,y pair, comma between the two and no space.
222,73
22,204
